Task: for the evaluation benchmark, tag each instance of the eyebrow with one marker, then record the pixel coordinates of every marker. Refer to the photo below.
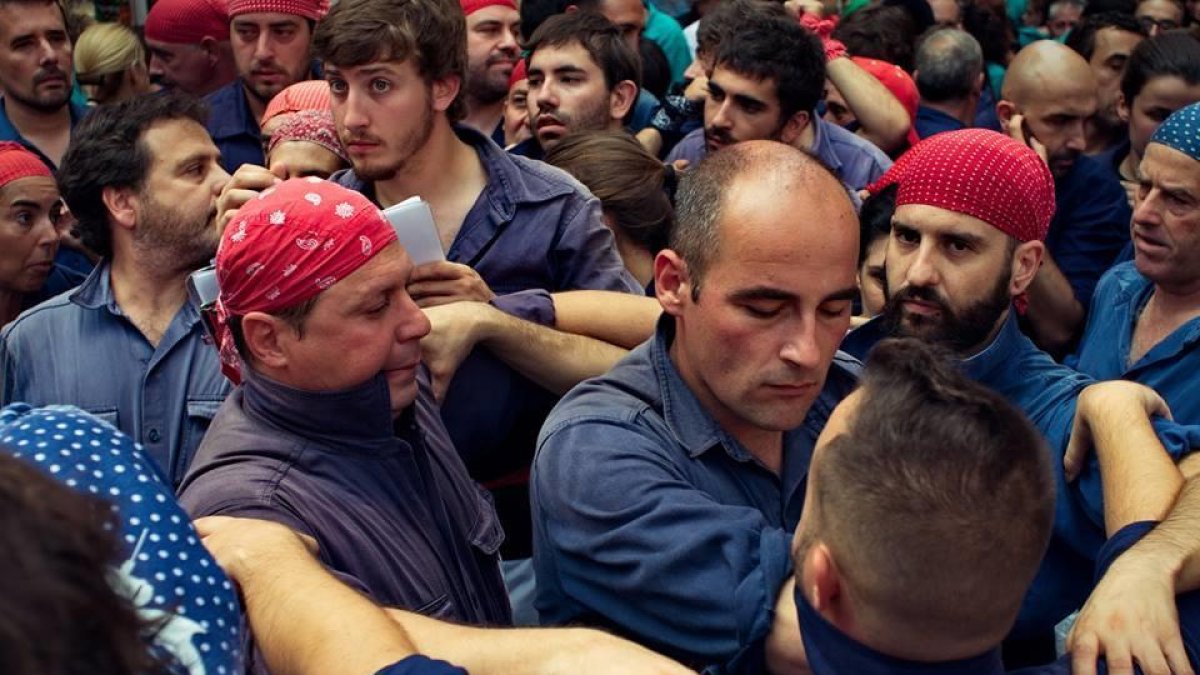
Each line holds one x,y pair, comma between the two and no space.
27,204
952,234
194,157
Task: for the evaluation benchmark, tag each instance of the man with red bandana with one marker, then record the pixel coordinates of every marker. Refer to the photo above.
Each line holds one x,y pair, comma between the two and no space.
188,41
493,31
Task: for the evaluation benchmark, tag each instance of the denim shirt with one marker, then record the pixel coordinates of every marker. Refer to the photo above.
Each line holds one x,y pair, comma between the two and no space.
9,133
79,349
1170,367
1090,226
233,127
932,121
853,159
650,519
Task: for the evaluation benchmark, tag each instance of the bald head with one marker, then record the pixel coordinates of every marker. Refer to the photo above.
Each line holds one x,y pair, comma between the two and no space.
1043,70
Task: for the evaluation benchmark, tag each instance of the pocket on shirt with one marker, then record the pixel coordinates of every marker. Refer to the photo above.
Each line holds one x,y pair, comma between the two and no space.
107,414
487,534
200,413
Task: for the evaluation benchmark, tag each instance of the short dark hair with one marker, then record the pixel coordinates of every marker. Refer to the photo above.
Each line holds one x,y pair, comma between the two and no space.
949,62
68,22
107,151
293,316
57,550
598,36
935,472
433,32
875,218
535,12
728,18
1173,53
1126,7
880,32
770,48
1082,38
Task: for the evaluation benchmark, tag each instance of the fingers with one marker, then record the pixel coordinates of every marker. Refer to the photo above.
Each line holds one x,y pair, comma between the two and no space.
243,185
1177,659
1085,649
443,270
207,525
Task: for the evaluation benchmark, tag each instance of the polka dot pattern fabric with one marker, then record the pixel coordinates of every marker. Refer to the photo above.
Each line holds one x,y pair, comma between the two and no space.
979,173
1181,131
168,574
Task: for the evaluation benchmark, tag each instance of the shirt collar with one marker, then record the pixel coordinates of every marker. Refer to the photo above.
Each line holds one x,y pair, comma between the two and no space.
9,132
822,147
832,652
1000,354
96,293
234,116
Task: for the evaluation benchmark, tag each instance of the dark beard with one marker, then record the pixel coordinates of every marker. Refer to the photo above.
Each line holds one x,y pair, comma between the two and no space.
961,332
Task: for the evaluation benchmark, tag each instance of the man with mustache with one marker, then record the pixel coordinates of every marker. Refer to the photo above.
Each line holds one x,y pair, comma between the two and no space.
972,210
35,78
1048,97
271,41
189,46
142,177
493,29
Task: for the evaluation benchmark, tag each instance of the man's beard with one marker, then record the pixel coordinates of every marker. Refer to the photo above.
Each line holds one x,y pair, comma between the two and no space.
961,332
407,147
173,239
484,86
591,118
44,104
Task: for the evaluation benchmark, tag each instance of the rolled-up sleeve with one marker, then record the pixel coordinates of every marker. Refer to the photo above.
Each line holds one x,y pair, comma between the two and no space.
586,254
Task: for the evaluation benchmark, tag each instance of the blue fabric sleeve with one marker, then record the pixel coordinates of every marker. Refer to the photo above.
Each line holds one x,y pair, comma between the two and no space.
1097,233
586,254
534,305
421,665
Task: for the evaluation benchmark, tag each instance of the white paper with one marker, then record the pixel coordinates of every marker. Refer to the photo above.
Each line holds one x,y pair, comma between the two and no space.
413,222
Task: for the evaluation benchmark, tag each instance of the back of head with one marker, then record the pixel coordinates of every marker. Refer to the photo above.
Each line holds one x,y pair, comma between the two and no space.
56,553
936,504
727,19
187,22
106,151
1042,70
431,32
1082,38
102,55
1174,53
1105,6
628,181
875,219
880,32
771,48
598,36
949,63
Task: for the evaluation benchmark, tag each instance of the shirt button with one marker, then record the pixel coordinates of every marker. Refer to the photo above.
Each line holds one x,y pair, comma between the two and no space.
154,436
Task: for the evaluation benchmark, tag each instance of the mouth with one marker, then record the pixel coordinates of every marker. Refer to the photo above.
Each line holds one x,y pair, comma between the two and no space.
792,389
1144,243
359,147
921,307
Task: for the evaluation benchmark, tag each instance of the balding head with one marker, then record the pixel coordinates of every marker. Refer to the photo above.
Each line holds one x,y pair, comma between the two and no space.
1054,91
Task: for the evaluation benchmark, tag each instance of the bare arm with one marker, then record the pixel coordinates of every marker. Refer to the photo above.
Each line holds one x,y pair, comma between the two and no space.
1055,316
616,318
881,118
785,649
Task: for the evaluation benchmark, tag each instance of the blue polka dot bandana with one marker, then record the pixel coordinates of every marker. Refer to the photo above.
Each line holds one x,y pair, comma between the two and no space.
1181,131
167,573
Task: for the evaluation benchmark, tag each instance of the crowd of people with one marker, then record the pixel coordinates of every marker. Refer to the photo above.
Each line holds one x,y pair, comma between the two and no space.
746,336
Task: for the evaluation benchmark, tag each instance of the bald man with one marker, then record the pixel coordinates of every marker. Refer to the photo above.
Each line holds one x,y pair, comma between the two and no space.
1049,93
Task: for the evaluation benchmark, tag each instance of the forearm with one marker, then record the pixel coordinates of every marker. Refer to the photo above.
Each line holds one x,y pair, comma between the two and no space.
489,650
881,118
785,648
306,622
1055,315
1174,545
616,318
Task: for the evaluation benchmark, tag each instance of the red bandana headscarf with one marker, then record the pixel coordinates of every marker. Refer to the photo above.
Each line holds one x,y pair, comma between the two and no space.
16,162
287,246
314,126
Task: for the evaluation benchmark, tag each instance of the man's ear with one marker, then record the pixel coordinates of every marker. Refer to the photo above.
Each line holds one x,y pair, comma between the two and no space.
795,126
445,90
122,204
672,281
266,338
1027,260
622,99
979,83
822,582
211,49
1124,112
1005,110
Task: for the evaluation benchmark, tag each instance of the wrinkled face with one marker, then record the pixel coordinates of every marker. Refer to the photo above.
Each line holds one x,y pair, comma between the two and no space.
740,109
948,277
492,51
871,279
1112,50
30,211
300,159
1066,18
182,67
363,325
836,110
177,205
627,15
271,51
1157,16
516,113
1166,219
567,93
756,342
1160,97
1056,118
384,114
35,56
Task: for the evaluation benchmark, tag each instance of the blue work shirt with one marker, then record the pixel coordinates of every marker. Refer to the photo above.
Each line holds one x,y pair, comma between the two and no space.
931,121
652,520
233,127
1170,367
853,159
1047,391
9,133
80,349
1090,226
165,572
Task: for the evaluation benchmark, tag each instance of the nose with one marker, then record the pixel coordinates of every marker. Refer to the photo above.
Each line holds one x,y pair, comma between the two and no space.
801,348
49,55
1145,210
508,41
156,67
48,233
350,110
545,98
922,267
721,118
264,49
414,324
1078,138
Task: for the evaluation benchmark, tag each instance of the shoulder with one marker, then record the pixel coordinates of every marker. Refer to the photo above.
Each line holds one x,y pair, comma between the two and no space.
846,141
528,180
1123,277
34,323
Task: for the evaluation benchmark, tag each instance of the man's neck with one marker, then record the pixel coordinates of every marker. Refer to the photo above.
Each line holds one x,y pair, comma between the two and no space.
45,130
257,105
149,297
484,117
962,111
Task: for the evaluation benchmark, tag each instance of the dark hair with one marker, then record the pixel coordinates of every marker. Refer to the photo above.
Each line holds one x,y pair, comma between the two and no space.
628,181
57,550
433,32
770,48
728,18
293,316
991,28
1082,38
875,218
879,32
935,472
656,70
107,151
1127,7
73,25
949,62
598,36
535,12
1173,53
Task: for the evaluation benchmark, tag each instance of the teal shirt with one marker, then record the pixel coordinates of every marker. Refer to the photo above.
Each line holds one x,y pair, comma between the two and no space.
667,34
